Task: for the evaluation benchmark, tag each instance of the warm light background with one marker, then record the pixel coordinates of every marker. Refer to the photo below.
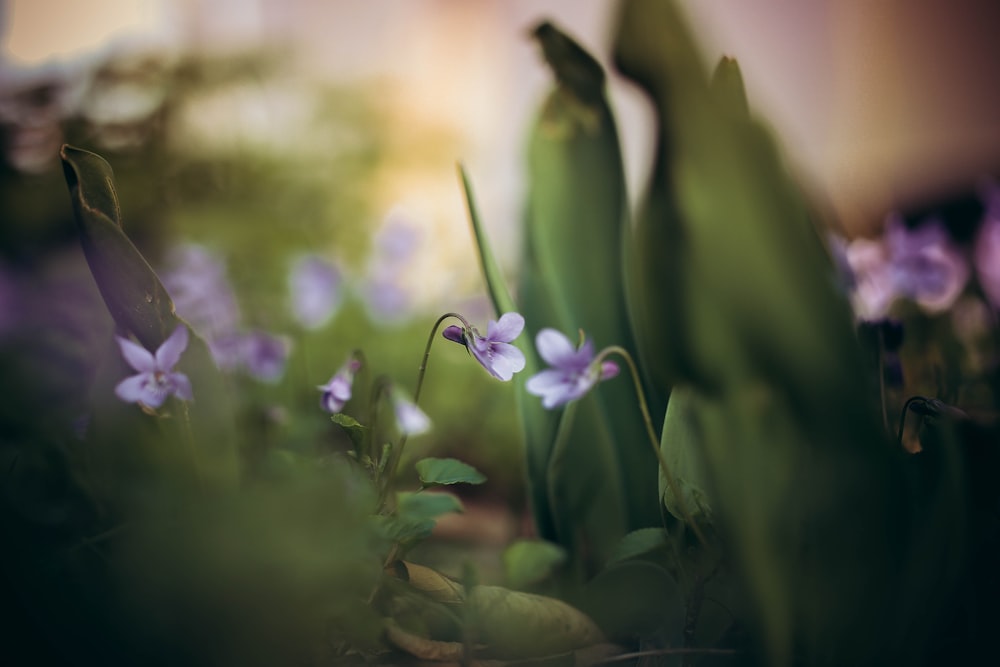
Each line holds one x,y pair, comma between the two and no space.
875,102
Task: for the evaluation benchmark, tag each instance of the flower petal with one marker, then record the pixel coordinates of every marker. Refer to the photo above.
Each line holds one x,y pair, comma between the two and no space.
182,386
609,369
169,353
141,388
555,348
411,419
136,355
506,329
507,360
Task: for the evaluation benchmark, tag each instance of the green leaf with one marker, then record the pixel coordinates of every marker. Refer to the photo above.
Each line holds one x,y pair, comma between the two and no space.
403,530
682,452
134,295
572,279
434,471
417,506
635,599
355,430
638,543
527,562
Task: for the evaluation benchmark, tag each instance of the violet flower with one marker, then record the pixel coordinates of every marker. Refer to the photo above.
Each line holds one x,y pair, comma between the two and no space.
264,356
410,419
987,259
493,351
924,265
872,291
314,285
337,391
156,378
573,371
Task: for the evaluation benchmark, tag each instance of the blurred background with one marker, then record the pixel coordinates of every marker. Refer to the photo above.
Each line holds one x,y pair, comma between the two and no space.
250,136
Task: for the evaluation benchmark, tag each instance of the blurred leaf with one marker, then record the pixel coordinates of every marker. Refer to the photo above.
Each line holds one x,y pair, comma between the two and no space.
403,530
527,562
355,430
417,505
635,600
727,86
639,542
434,471
768,343
682,452
134,295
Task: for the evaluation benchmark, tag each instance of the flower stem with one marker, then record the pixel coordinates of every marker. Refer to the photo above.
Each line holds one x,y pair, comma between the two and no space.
397,453
653,440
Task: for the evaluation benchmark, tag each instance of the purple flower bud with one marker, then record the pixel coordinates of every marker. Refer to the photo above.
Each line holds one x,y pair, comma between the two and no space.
337,391
156,379
872,290
315,285
493,351
410,419
573,371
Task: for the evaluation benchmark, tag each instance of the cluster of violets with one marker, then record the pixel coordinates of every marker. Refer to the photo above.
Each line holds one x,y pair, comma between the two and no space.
574,370
922,264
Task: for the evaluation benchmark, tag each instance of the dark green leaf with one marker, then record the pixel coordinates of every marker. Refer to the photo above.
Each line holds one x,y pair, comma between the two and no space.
639,542
354,429
134,295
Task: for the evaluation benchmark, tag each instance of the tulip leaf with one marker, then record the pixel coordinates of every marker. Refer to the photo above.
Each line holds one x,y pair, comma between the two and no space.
134,295
434,471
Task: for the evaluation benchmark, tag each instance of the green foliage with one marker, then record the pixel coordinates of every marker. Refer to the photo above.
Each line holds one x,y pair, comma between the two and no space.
434,471
639,542
420,505
528,562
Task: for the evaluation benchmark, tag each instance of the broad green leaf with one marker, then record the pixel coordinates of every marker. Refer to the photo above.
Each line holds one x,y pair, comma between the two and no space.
434,471
576,212
801,479
527,562
420,505
403,530
638,543
727,86
134,295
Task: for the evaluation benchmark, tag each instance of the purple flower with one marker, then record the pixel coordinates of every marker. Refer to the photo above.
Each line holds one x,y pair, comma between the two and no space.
156,379
264,356
410,419
871,287
573,371
337,391
493,351
924,265
196,281
314,284
987,258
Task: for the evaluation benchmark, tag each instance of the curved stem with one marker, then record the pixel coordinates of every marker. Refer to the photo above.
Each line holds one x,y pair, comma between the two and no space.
653,440
397,453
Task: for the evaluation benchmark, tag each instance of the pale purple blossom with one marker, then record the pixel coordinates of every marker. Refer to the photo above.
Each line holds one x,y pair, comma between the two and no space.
386,300
156,378
493,351
337,391
315,288
264,355
872,291
924,264
987,258
573,373
410,419
195,278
